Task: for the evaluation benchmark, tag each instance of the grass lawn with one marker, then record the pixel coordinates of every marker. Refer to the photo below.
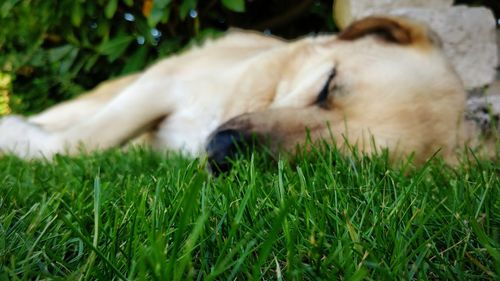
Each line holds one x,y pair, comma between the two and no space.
142,216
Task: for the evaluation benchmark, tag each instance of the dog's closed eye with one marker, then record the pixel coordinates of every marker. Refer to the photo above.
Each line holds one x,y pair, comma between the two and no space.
322,99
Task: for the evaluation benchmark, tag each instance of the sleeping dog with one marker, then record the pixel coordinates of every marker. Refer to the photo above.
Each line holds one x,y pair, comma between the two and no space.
381,83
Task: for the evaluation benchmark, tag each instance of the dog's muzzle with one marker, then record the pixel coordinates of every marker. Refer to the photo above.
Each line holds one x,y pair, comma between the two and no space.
223,146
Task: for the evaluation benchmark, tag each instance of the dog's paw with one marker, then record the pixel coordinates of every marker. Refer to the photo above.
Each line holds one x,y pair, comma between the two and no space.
485,112
26,140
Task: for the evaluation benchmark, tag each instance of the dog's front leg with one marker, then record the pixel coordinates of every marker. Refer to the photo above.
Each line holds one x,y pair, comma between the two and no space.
122,118
125,117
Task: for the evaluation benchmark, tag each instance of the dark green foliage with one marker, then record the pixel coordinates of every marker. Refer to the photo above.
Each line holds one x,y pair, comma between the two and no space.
141,216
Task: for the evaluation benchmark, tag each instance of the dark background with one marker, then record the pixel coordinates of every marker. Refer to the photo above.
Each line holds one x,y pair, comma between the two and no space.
54,50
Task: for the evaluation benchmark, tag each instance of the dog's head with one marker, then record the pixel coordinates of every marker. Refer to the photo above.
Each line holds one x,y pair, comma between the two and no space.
382,83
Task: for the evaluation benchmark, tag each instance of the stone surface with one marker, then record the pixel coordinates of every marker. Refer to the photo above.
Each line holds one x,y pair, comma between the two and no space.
493,89
484,110
468,35
360,6
347,10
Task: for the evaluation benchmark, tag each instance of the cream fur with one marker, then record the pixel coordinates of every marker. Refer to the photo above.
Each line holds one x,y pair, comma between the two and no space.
404,96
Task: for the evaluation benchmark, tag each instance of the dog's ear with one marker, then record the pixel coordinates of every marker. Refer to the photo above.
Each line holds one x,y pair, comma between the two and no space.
389,29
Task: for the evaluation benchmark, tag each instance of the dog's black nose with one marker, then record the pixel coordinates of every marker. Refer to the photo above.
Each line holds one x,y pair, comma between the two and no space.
222,147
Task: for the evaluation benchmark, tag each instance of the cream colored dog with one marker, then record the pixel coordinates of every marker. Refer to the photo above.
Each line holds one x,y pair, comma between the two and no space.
382,83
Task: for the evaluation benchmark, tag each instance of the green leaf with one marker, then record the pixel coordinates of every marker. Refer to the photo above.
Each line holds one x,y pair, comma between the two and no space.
103,28
77,14
110,9
57,54
234,5
68,61
90,62
186,6
161,3
129,2
136,61
160,12
115,47
157,15
7,7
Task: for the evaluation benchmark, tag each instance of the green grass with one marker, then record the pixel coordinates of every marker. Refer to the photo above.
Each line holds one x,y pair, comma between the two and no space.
141,216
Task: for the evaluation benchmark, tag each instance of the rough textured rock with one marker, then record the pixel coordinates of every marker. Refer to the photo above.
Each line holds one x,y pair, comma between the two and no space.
485,112
493,89
468,35
484,109
347,10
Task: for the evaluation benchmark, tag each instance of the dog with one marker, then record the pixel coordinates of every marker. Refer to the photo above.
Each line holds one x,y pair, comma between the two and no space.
382,83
